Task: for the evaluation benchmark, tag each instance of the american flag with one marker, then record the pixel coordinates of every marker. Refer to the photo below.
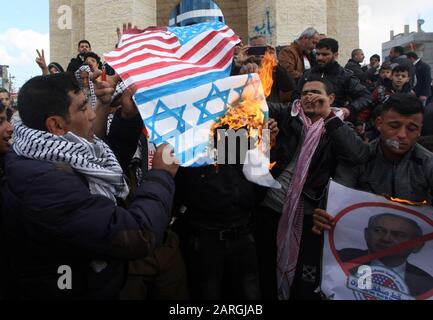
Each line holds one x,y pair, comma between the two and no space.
163,61
182,75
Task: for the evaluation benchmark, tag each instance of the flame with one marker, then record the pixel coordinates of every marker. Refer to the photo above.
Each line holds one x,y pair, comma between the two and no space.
247,114
266,72
403,201
272,165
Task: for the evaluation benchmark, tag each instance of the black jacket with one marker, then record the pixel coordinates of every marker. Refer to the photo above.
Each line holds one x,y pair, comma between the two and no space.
51,219
75,63
3,264
411,178
423,79
348,88
339,143
357,70
216,197
417,280
427,129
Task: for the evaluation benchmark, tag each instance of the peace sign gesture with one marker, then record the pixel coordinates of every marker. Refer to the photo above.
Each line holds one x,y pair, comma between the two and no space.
40,60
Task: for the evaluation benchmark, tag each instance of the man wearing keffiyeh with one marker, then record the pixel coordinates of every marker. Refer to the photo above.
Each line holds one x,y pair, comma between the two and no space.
61,193
312,139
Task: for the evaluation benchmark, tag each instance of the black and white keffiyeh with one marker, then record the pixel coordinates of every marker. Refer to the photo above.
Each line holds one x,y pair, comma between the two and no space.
95,161
93,99
120,87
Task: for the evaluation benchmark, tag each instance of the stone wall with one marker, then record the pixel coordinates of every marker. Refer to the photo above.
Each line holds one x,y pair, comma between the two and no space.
110,14
261,19
96,21
343,25
280,20
63,42
293,17
164,8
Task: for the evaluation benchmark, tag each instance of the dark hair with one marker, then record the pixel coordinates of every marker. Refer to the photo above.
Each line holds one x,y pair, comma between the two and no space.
328,43
403,103
329,87
3,90
46,96
385,66
57,66
412,55
401,68
257,37
94,56
375,56
399,50
84,41
2,107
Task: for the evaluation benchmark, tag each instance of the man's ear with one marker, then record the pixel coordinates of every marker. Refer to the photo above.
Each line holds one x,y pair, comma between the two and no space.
418,248
379,123
336,55
56,125
331,98
366,235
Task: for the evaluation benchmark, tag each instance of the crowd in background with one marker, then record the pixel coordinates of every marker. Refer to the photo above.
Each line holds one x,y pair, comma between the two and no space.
78,189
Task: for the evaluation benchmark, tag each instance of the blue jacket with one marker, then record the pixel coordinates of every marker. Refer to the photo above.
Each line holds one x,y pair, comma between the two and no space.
50,219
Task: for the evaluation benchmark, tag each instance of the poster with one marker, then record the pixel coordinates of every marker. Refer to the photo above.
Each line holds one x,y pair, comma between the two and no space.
378,249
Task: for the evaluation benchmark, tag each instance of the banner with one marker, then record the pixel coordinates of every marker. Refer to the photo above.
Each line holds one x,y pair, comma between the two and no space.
378,249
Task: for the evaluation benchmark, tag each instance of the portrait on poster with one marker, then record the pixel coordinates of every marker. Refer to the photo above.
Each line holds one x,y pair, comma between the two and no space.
378,249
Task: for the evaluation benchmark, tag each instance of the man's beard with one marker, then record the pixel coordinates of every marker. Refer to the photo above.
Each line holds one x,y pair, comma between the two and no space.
324,67
321,66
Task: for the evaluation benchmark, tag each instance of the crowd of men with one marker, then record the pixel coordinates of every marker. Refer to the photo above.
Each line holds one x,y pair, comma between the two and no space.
77,189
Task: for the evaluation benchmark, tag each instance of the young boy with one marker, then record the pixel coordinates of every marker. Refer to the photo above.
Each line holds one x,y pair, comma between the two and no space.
399,82
385,72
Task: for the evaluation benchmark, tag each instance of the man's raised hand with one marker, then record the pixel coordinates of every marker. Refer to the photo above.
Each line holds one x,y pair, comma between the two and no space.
164,159
322,104
40,60
129,108
104,92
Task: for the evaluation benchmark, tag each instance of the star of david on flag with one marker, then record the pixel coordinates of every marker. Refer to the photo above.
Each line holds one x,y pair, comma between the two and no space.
183,82
185,119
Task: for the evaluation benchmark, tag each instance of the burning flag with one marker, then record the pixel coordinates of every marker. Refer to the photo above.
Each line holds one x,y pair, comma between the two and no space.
184,89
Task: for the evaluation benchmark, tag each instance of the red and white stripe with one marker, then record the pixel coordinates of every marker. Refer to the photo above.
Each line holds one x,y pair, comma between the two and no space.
156,58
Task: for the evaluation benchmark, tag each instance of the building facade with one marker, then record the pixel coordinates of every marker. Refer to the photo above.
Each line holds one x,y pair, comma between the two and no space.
4,78
281,21
418,41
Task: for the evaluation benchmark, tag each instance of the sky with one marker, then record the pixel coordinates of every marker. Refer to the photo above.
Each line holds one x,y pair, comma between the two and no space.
24,27
378,17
